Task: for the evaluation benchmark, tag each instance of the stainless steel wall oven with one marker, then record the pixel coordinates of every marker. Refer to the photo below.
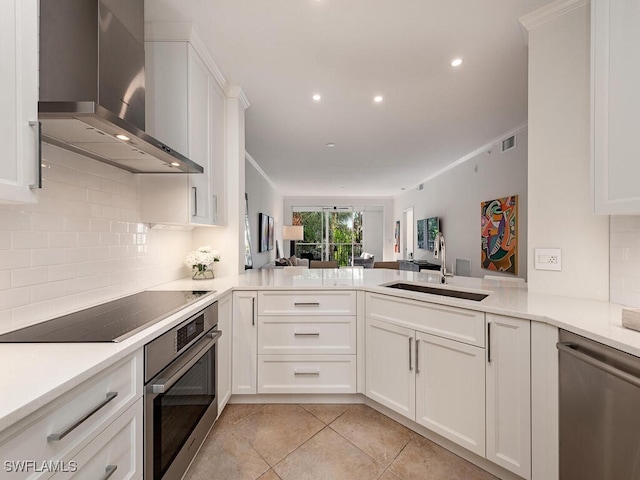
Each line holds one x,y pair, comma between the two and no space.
181,401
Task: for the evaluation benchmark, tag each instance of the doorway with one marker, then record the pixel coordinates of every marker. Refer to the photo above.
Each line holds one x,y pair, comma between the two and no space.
407,241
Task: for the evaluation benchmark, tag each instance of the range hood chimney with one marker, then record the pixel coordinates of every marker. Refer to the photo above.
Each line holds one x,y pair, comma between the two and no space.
92,85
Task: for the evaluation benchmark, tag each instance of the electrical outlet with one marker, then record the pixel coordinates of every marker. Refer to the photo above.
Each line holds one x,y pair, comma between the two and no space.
548,259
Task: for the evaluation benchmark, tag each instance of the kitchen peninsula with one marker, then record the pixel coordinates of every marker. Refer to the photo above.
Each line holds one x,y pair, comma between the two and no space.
363,306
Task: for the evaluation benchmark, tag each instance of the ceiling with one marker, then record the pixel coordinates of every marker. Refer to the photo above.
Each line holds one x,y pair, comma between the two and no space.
282,52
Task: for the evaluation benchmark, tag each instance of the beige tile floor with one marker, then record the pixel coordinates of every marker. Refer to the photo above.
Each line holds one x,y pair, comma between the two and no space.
321,442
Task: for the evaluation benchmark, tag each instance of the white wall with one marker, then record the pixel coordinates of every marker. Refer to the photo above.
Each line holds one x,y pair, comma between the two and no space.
81,244
625,260
560,212
455,197
374,203
263,198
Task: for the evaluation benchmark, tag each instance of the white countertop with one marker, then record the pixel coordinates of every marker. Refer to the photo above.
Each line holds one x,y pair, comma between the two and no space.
38,373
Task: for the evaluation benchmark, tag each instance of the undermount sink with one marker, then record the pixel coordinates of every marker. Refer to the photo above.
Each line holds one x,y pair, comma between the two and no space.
476,297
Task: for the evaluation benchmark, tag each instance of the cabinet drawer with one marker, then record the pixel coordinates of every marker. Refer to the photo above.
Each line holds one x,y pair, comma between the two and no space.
443,321
70,420
306,374
307,303
307,335
117,449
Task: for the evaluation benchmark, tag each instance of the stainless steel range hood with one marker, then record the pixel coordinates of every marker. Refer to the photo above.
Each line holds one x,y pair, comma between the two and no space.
92,85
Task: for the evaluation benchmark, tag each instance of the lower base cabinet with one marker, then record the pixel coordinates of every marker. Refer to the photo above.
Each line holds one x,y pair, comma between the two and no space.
450,390
509,393
437,382
479,398
306,374
115,454
225,319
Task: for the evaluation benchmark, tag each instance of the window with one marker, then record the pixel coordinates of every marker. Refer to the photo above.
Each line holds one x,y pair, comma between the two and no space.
330,233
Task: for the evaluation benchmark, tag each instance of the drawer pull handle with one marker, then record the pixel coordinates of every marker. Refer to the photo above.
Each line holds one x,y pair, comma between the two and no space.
108,471
306,334
307,373
306,304
54,437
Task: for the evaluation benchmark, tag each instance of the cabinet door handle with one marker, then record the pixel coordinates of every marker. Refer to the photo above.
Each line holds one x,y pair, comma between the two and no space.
410,357
253,311
306,304
54,437
417,353
195,201
489,342
108,471
306,334
306,373
38,126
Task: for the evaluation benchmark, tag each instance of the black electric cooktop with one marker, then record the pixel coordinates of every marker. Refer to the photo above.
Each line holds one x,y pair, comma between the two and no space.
108,322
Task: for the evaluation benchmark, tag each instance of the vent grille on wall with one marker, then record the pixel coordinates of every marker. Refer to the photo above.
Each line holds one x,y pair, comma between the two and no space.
508,143
421,186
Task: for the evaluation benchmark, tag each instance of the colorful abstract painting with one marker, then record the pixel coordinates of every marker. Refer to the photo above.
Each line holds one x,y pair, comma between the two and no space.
499,234
396,245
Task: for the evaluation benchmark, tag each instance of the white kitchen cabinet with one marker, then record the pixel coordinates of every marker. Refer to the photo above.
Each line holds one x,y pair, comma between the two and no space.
307,342
225,319
185,109
390,376
19,100
615,103
509,393
77,419
115,454
245,343
450,390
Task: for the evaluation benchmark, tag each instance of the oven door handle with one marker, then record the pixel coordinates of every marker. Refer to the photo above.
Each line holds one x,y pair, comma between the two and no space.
170,375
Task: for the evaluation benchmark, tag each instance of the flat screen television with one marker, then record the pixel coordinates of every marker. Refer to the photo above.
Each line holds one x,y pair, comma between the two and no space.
433,227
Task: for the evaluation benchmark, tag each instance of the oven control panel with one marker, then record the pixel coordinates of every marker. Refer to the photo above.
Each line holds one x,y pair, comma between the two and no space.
188,332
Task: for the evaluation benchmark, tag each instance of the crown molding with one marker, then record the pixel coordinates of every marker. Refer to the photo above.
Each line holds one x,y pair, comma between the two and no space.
468,156
546,14
237,92
250,159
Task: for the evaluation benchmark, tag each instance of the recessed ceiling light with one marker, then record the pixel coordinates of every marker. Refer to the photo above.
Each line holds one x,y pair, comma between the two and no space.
456,62
377,98
175,164
331,144
316,97
122,137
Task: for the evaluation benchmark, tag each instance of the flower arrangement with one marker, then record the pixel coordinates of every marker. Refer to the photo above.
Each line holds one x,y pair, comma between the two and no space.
200,260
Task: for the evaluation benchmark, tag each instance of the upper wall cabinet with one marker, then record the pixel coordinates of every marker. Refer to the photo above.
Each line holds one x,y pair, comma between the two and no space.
185,108
19,101
615,68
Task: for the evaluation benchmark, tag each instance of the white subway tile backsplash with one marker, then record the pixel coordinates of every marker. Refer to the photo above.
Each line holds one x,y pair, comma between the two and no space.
25,277
63,239
30,239
10,259
82,243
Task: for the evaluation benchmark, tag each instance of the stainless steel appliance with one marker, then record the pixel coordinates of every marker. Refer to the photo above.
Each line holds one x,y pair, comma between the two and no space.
599,403
180,399
92,85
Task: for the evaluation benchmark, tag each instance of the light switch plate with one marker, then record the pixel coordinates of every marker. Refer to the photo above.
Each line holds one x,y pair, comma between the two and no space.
548,259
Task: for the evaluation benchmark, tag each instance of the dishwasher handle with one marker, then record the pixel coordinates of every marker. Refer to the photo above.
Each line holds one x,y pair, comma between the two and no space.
570,348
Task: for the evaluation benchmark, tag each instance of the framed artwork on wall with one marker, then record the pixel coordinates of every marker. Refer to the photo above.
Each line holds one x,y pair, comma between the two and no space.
396,245
272,236
422,233
499,235
263,221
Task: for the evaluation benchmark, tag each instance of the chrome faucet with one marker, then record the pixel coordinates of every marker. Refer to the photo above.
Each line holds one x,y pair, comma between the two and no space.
440,251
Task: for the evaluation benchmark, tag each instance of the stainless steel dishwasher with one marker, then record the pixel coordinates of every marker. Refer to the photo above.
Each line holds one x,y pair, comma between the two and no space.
599,411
